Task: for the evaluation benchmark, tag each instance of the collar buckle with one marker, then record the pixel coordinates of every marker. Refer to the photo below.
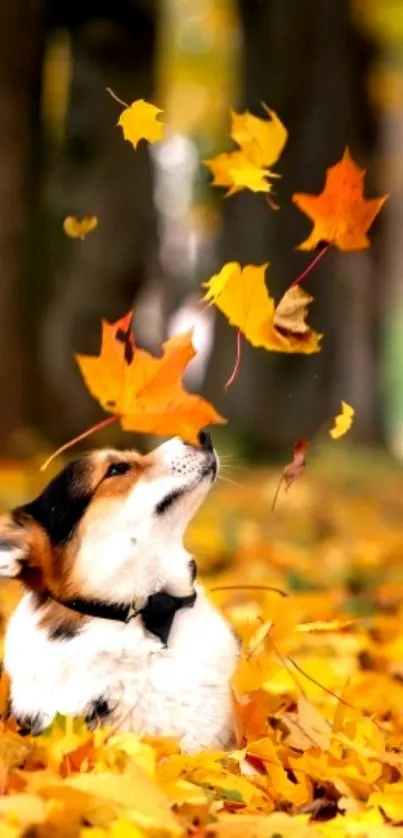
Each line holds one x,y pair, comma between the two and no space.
132,612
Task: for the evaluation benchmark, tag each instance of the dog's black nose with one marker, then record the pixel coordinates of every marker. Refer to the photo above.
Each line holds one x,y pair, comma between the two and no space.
206,443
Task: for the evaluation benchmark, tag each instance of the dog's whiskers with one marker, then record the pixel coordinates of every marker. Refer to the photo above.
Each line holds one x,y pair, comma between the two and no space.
234,465
226,479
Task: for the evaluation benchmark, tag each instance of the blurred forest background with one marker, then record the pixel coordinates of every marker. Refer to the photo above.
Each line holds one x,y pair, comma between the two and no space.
331,69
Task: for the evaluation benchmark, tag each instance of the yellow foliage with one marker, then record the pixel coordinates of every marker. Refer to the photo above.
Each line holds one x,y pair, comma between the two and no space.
241,295
343,421
77,228
318,708
260,142
139,122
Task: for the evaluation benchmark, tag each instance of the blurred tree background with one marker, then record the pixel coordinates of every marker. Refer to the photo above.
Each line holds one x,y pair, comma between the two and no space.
332,70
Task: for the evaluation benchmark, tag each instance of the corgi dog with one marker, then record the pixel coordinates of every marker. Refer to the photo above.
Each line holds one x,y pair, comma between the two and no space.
112,625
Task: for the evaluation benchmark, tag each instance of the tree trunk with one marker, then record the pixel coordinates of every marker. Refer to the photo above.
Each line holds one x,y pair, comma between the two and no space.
22,28
97,173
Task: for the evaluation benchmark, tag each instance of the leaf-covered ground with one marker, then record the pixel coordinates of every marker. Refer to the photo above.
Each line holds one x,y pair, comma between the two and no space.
318,694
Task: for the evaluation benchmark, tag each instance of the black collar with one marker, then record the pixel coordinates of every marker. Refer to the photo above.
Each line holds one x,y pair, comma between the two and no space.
157,614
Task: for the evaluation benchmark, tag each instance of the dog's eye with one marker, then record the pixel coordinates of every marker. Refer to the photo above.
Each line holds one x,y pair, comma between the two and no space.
167,502
117,468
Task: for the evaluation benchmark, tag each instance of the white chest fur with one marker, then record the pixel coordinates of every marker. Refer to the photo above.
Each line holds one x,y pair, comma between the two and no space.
179,691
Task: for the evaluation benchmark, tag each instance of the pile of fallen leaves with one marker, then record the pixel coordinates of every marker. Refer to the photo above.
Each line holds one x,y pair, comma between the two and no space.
318,694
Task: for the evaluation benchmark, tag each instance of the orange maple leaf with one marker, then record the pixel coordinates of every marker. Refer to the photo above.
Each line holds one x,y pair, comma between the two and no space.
143,392
341,214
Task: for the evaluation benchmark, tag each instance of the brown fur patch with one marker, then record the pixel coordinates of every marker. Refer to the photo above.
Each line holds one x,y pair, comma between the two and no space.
111,492
121,484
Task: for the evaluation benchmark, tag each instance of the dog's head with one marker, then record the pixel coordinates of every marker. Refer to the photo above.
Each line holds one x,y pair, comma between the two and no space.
110,525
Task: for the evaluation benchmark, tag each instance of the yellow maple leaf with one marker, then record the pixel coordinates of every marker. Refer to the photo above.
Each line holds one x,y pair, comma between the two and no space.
235,170
343,421
139,122
261,141
23,810
297,791
260,145
390,800
132,792
78,228
241,295
221,165
246,175
121,828
251,674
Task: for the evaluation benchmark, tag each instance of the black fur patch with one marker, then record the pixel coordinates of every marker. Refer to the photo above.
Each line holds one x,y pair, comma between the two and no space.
63,631
62,504
97,713
167,501
193,569
30,724
159,613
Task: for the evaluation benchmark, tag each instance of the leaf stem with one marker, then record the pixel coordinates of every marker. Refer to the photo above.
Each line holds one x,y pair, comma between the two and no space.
116,98
279,485
284,661
237,360
105,422
311,266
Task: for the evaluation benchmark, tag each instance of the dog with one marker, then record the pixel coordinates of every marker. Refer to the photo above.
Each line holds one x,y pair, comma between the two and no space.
112,626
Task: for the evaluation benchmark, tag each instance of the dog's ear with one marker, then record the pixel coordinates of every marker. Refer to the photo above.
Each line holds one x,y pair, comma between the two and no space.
25,549
15,544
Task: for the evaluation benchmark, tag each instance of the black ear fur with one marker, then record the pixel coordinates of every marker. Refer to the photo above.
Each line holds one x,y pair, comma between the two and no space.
62,504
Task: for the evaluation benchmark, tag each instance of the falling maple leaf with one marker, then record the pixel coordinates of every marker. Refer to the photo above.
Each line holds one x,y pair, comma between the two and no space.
236,171
241,295
260,145
220,167
144,392
293,470
262,141
139,122
291,312
296,468
341,214
343,421
245,175
78,228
